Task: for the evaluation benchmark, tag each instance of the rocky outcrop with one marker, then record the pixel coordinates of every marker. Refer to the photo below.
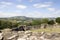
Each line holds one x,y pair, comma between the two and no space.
28,35
40,36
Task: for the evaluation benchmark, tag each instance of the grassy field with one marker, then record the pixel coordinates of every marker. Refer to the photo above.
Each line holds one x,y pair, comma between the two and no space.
49,30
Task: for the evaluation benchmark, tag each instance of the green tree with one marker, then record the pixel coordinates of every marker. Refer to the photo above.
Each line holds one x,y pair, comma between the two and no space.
2,24
58,20
36,22
51,22
45,20
7,24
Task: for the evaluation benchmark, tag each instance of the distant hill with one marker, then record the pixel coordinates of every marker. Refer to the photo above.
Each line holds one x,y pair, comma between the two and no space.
23,18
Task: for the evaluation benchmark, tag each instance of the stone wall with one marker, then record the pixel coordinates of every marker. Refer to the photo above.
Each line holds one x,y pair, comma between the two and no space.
43,26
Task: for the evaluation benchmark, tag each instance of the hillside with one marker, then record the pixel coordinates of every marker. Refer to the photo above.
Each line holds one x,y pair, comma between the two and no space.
23,18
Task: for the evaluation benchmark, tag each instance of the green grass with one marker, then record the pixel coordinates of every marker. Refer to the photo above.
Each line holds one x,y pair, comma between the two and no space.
49,30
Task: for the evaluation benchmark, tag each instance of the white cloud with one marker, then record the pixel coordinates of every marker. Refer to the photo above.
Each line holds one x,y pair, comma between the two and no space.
5,14
31,0
48,2
19,0
41,5
51,9
37,14
5,4
31,14
21,6
34,14
57,12
47,5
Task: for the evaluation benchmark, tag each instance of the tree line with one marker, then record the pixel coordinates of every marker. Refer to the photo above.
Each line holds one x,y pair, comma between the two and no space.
13,23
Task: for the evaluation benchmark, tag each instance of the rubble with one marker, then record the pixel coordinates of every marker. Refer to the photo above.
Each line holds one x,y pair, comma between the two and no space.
28,35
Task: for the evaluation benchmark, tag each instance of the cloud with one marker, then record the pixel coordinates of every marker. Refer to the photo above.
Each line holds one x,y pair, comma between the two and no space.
57,12
19,0
51,9
48,2
37,14
33,14
30,14
21,6
5,4
6,14
31,0
41,5
47,5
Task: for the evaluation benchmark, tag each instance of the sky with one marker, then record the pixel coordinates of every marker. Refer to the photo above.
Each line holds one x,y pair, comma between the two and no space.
30,8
